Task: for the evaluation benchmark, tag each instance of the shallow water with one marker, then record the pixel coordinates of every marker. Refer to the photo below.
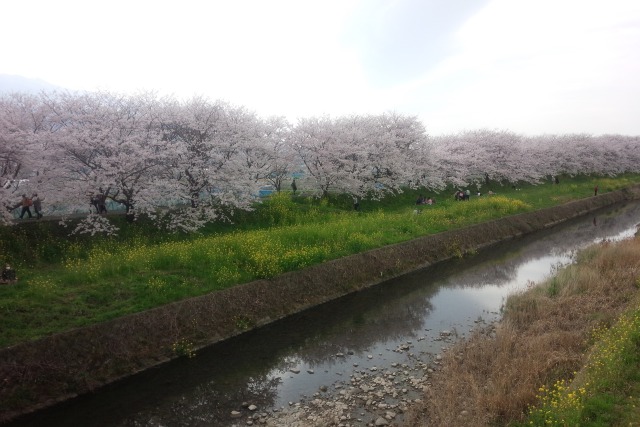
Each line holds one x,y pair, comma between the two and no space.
396,324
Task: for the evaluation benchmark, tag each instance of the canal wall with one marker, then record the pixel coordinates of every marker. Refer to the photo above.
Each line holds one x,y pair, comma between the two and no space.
56,368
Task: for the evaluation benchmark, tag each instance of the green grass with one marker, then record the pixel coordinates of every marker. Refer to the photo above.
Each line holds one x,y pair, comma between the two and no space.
70,281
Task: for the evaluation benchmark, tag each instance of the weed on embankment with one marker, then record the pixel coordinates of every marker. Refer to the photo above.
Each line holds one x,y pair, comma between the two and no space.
565,353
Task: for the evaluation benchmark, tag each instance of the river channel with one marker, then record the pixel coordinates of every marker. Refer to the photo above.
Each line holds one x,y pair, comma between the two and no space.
398,327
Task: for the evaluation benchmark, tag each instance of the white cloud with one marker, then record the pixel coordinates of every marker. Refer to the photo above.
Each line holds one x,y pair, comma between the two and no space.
544,66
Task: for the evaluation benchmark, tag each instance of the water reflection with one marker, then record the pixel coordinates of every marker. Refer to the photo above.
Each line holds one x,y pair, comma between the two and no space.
291,359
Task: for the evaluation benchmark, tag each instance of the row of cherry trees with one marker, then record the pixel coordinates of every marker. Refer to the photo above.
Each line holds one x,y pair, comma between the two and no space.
203,158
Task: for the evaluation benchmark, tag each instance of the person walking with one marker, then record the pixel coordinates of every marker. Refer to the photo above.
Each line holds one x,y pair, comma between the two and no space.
37,205
26,204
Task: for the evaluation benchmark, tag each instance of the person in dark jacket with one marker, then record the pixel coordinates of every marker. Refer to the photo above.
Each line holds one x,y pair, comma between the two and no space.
37,205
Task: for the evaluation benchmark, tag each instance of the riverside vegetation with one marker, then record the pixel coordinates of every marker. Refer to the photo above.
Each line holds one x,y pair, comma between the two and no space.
66,279
73,281
566,352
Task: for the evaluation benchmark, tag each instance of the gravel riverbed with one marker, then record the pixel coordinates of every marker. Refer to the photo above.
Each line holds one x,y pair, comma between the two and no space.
361,396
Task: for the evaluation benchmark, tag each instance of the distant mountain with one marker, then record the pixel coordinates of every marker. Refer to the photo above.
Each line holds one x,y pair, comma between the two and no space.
10,83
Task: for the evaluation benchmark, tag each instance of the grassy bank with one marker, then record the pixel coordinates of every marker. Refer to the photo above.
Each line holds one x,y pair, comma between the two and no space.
67,282
565,353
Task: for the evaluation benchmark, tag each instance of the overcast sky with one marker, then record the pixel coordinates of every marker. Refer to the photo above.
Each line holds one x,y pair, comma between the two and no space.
529,66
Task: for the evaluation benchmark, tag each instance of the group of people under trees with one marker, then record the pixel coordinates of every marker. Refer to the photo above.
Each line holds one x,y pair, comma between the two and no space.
425,201
462,195
459,195
466,195
98,201
25,205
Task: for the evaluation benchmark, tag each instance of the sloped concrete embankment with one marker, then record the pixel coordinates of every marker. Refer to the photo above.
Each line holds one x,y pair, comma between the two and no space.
40,373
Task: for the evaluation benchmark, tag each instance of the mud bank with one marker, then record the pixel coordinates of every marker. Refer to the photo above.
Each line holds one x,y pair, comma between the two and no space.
43,372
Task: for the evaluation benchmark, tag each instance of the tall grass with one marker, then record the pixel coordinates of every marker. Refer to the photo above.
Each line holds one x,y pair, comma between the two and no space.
607,389
72,281
565,353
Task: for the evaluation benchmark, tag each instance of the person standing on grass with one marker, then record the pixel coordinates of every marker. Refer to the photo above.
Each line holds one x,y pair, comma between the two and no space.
26,204
294,187
595,190
37,205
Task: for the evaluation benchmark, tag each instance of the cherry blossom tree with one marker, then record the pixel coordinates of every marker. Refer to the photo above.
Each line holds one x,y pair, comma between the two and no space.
280,160
619,154
429,171
12,152
474,157
210,169
316,142
364,156
184,164
109,145
399,155
24,127
569,154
